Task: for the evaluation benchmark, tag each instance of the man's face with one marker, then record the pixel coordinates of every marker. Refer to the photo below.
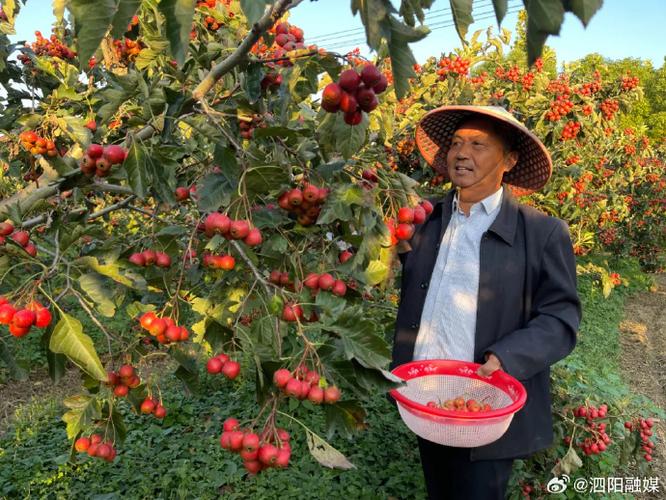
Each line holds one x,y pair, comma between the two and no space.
477,160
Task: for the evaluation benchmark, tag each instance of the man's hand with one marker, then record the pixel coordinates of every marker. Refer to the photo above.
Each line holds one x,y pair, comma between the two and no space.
491,365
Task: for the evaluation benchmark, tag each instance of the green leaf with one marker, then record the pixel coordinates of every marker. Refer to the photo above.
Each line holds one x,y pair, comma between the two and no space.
112,270
68,338
374,14
461,10
59,9
500,7
75,129
98,289
83,411
262,179
178,14
402,59
184,359
124,14
546,15
15,370
344,418
91,22
376,272
325,454
251,82
340,137
254,9
137,173
584,9
215,191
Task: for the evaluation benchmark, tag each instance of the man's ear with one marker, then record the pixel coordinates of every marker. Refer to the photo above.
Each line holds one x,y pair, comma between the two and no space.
510,160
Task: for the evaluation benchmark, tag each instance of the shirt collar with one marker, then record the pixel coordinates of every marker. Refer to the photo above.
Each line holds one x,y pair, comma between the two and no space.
489,203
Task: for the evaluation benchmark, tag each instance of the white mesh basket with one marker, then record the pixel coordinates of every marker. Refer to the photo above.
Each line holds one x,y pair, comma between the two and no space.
439,380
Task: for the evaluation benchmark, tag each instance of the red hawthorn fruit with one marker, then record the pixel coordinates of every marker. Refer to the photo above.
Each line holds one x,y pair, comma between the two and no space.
227,262
282,377
275,277
214,365
239,229
406,215
293,387
311,281
114,154
331,394
281,39
162,260
92,449
236,440
348,103
182,193
349,80
95,438
253,238
121,391
138,259
87,165
160,411
311,193
353,118
369,105
312,377
295,197
102,167
370,75
419,215
172,333
21,237
147,319
91,125
268,454
149,256
18,331
380,86
248,455
231,424
148,406
326,281
217,223
282,460
250,441
331,95
364,96
103,451
31,250
316,395
184,334
404,231
95,151
339,288
252,466
296,32
283,435
43,318
6,228
344,256
82,444
323,194
370,175
282,28
24,318
231,369
292,312
126,371
7,312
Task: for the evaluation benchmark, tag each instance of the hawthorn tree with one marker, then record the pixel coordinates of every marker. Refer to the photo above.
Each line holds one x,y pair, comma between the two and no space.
171,163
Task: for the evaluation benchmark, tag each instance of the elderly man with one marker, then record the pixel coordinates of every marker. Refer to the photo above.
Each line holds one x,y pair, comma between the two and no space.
488,280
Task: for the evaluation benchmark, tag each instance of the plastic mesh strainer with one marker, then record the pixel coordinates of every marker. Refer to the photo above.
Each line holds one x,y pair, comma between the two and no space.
438,379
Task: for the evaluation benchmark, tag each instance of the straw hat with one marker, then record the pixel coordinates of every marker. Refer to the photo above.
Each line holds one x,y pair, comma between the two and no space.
436,128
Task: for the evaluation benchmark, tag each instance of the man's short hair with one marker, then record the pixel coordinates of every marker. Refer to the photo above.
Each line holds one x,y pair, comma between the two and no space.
504,132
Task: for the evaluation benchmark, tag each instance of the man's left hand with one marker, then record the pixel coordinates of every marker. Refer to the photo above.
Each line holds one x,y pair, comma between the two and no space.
491,365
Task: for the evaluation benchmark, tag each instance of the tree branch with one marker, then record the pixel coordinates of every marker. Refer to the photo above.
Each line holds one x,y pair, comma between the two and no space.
262,25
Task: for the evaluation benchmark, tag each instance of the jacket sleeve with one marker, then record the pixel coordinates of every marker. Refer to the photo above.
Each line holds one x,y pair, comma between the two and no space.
550,334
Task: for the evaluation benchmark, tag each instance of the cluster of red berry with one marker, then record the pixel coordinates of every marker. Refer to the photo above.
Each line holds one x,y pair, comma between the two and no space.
123,380
21,320
47,47
353,93
528,80
460,404
99,159
150,257
218,223
165,330
21,238
247,126
303,383
281,278
629,82
221,261
587,109
95,447
572,160
304,203
271,81
288,37
630,149
560,107
211,3
407,217
37,145
609,107
153,406
224,365
327,282
559,86
644,427
271,450
127,49
570,130
589,88
479,79
456,65
597,440
344,256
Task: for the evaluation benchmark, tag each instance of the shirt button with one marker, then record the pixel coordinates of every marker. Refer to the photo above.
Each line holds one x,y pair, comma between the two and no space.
437,246
414,326
424,285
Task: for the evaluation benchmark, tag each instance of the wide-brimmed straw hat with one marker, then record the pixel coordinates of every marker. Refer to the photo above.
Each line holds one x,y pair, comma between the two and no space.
436,128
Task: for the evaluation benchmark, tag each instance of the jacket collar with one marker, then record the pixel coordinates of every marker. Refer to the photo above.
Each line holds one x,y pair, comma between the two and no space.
504,225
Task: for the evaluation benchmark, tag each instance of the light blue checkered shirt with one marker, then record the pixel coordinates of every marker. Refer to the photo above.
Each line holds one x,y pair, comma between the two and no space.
448,320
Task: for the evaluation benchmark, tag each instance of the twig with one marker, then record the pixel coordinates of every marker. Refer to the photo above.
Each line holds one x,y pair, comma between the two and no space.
249,263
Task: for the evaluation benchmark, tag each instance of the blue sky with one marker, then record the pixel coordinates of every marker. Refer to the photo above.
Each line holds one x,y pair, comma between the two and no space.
620,29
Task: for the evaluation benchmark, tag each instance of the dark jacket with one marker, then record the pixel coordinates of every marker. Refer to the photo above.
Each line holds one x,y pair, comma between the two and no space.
528,308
